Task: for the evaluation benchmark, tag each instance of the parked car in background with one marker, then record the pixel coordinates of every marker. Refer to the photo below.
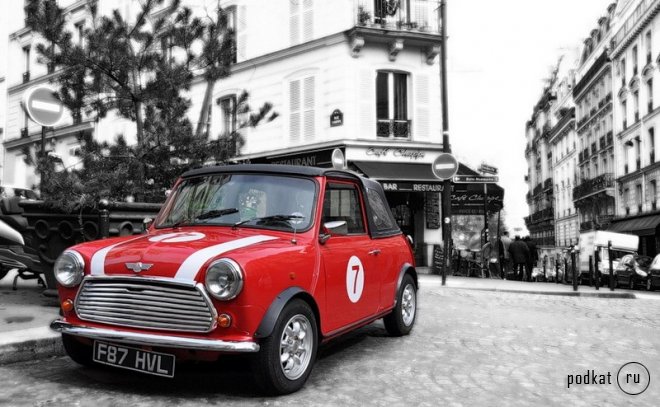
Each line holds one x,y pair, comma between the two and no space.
594,242
632,270
653,279
269,260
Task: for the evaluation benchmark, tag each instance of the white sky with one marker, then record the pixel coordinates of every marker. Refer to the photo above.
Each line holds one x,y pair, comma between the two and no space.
499,52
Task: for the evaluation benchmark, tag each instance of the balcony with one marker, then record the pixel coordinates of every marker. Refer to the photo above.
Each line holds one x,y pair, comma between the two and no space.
26,77
593,186
403,15
393,128
547,183
537,189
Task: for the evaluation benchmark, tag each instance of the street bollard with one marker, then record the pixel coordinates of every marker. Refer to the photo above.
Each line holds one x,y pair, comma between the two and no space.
591,269
104,223
597,269
609,256
575,282
545,263
557,270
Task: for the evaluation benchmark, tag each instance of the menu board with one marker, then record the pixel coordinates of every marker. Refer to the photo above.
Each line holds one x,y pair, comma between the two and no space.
432,210
438,255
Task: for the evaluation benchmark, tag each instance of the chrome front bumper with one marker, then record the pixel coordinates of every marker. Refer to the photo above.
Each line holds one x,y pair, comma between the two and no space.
166,341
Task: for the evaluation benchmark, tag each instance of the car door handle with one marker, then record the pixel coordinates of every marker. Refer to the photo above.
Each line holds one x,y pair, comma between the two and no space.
375,252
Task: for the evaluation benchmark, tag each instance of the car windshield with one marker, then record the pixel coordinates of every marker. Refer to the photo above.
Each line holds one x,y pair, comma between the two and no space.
249,200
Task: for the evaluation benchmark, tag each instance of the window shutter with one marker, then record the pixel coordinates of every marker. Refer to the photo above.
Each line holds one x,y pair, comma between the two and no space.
308,20
294,110
309,119
367,100
241,35
294,22
421,118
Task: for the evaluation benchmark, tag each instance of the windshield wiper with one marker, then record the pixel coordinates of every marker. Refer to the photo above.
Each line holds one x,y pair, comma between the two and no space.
271,218
216,213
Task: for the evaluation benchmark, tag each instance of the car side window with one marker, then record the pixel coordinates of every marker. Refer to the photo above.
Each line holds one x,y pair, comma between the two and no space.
342,202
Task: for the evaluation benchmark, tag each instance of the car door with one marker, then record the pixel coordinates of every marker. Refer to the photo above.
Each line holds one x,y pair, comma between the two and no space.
625,269
349,260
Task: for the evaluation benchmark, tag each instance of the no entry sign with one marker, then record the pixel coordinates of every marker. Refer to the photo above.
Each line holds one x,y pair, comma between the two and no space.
445,166
43,106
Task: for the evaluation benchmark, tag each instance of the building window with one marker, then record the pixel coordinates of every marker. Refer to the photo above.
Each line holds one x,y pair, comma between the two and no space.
648,46
392,104
634,60
623,72
302,113
649,95
301,21
653,193
227,114
80,33
26,64
624,111
636,105
231,24
638,197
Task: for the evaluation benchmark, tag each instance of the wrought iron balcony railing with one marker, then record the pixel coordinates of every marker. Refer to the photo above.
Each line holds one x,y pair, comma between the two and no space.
593,185
403,15
393,128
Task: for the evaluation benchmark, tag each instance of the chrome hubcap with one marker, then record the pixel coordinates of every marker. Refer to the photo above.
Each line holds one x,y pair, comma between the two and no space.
408,304
296,347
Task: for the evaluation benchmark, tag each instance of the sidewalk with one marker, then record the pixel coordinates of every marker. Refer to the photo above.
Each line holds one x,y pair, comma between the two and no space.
497,285
25,314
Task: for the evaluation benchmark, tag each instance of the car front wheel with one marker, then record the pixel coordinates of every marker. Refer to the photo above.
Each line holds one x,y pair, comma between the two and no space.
402,318
287,356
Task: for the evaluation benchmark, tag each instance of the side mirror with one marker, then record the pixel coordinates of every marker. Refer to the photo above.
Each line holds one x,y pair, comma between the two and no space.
334,228
146,224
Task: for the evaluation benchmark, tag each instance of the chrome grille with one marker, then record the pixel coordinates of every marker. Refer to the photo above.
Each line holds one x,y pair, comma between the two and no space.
145,303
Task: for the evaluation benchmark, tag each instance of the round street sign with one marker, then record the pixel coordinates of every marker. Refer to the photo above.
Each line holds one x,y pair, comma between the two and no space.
42,105
445,166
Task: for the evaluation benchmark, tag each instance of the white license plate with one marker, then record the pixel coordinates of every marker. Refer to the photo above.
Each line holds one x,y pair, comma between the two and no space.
126,357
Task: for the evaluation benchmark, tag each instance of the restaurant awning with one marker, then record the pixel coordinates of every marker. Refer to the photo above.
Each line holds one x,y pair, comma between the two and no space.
392,171
642,226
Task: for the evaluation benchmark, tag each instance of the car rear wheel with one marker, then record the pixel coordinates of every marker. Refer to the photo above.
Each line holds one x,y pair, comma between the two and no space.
77,351
402,318
287,356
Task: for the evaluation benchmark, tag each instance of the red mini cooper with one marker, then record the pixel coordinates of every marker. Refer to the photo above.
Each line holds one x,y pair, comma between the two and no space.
265,259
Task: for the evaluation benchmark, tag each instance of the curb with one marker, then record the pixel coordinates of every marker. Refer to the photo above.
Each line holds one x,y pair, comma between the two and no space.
21,348
556,293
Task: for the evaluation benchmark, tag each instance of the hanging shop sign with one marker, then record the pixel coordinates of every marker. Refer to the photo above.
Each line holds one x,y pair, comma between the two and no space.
317,158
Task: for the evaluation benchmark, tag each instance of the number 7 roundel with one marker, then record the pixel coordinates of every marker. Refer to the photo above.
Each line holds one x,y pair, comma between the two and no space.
354,279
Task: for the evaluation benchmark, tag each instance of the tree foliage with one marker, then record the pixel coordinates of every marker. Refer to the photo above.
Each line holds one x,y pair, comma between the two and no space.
138,67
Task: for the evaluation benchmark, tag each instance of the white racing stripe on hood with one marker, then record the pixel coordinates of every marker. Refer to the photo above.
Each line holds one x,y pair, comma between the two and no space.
190,267
97,265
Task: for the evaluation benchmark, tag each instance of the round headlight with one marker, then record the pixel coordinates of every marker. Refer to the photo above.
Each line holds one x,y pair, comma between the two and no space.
224,279
69,268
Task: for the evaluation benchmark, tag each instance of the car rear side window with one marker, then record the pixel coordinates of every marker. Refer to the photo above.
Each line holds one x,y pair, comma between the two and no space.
342,203
380,212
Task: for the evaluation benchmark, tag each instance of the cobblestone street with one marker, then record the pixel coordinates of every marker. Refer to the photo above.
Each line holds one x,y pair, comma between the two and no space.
468,348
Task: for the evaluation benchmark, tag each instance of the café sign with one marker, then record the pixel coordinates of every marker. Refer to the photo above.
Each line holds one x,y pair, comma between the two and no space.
390,154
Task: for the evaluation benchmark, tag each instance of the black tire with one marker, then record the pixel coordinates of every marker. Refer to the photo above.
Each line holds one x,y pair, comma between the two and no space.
77,351
402,318
3,272
270,372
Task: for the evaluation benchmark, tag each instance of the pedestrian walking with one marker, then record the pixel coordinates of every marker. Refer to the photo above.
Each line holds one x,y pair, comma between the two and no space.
505,256
519,256
533,256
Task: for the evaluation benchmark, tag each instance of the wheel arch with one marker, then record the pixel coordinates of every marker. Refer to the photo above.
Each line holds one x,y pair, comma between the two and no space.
407,268
275,309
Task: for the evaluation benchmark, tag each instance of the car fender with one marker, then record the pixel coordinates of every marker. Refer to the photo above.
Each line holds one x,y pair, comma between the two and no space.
270,317
407,267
